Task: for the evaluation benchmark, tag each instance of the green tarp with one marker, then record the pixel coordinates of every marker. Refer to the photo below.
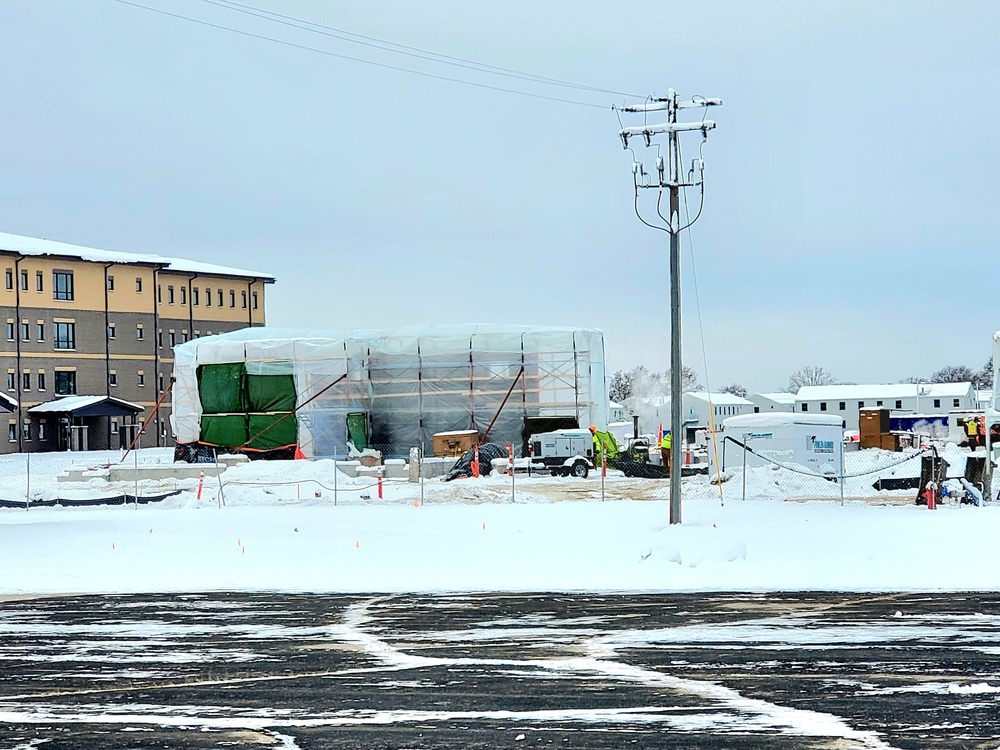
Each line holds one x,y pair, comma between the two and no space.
222,388
270,393
229,431
268,431
238,408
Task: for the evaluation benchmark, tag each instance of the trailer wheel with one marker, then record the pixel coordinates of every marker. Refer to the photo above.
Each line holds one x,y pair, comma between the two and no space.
579,470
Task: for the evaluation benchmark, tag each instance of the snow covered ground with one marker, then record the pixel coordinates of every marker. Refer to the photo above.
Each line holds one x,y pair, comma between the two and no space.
289,526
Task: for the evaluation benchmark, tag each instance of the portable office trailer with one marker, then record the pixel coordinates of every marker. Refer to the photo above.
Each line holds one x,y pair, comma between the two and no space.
810,441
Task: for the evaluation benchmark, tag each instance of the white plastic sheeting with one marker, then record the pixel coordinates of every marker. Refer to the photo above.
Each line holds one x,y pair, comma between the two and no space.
413,381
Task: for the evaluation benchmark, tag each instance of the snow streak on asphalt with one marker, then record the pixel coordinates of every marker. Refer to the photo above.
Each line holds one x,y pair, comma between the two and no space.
274,670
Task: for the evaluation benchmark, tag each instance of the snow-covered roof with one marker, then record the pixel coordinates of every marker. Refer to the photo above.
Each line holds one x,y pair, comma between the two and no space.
38,247
73,403
7,403
615,405
719,399
896,390
781,419
782,397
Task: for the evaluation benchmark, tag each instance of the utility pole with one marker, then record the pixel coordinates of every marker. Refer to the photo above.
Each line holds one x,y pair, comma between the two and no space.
668,175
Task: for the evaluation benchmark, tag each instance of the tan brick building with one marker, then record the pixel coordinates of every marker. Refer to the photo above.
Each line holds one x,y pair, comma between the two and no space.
81,321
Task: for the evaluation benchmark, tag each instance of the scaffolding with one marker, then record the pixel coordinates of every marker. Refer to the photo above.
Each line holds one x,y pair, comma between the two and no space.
410,383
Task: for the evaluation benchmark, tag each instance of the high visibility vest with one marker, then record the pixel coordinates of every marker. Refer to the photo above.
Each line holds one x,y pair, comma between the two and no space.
667,441
970,427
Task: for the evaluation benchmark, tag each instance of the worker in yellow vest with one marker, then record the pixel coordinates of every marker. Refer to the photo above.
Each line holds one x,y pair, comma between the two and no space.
972,433
665,449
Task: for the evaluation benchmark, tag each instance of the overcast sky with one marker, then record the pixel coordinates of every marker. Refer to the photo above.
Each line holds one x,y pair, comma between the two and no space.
851,218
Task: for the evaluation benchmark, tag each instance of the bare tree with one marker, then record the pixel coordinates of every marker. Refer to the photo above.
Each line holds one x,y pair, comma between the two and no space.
809,375
737,390
984,378
954,374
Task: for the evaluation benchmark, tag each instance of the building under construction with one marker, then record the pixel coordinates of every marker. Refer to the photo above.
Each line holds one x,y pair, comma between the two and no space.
274,391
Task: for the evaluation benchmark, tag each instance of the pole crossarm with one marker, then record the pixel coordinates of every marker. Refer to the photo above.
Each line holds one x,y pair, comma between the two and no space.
648,131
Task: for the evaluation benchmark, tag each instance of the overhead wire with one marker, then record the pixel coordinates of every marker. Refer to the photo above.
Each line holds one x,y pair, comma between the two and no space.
400,49
701,330
329,53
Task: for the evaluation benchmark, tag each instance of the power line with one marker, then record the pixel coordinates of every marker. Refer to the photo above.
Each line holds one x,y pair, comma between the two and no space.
400,49
328,53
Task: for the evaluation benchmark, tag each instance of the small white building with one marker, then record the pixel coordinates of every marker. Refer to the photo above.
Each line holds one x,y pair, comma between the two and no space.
913,398
700,409
764,403
617,412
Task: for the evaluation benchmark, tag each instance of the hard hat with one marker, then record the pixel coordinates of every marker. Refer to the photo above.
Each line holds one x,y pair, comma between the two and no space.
593,428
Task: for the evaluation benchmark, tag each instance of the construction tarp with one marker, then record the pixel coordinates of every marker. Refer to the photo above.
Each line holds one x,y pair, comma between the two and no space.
409,383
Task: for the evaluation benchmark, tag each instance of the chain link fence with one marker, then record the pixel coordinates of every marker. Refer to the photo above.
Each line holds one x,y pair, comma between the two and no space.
735,470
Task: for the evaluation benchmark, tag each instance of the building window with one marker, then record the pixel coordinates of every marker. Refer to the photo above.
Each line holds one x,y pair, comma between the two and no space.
62,285
170,295
955,403
65,336
184,337
878,403
140,378
899,404
26,430
24,279
25,331
9,278
232,298
138,284
861,404
805,407
208,296
39,281
194,295
111,283
12,432
161,382
159,338
937,403
40,330
140,333
163,429
10,380
41,430
113,378
159,293
254,298
10,330
843,406
220,297
65,382
822,405
172,339
243,294
114,426
25,381
41,380
184,295
111,330
197,334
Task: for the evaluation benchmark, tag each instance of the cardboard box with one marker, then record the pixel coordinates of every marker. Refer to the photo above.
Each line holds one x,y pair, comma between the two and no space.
454,443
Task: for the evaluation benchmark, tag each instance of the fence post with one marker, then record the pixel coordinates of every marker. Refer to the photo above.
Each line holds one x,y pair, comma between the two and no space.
842,472
334,481
604,473
135,467
744,466
27,481
510,464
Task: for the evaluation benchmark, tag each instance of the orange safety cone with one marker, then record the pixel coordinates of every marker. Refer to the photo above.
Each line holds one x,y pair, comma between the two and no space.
475,462
380,485
604,465
299,455
201,483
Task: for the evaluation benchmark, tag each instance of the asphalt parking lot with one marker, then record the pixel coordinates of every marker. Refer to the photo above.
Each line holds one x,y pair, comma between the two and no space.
486,671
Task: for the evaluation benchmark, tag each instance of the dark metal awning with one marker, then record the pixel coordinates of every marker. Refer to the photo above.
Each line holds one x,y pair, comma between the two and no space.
87,406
